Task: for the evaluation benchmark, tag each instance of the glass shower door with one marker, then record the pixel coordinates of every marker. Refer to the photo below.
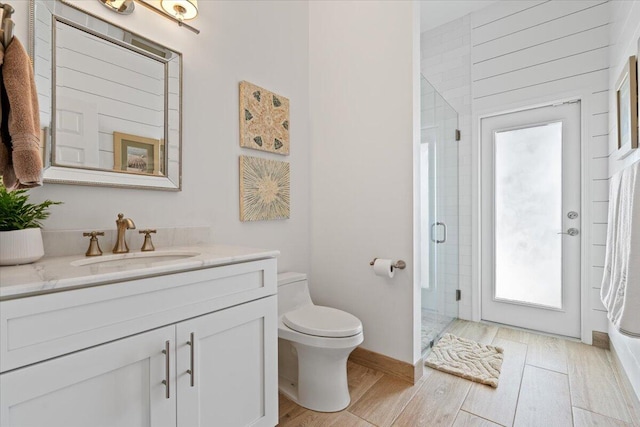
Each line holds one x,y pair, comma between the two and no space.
439,213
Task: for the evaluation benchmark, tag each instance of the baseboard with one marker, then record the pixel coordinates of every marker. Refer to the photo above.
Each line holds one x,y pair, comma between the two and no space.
388,365
600,339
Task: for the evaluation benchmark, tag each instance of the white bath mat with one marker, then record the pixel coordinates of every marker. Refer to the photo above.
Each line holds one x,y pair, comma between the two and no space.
467,359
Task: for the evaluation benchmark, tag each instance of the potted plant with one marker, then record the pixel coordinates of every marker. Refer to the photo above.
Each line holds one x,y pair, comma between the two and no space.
20,222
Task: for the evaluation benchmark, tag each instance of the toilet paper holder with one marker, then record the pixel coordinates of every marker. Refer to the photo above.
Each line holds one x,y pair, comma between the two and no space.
400,264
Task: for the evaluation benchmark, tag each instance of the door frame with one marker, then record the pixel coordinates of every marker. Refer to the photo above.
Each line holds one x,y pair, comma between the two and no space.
585,185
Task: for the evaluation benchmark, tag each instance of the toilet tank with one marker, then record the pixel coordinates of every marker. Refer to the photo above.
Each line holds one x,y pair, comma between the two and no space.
293,291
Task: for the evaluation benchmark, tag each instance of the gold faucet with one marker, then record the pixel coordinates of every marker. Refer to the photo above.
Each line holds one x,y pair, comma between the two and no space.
123,225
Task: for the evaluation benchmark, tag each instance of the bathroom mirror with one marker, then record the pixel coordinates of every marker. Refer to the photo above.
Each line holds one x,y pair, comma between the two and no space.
110,101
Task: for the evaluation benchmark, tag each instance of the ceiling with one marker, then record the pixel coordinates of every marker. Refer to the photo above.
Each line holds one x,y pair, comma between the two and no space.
434,13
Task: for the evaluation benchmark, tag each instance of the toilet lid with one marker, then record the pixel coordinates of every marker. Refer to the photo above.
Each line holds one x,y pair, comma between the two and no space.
322,322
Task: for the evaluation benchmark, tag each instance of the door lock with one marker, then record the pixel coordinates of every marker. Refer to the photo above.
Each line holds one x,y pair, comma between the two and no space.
572,232
572,215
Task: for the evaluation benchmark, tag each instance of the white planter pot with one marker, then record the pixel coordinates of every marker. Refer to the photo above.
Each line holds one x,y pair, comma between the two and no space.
21,246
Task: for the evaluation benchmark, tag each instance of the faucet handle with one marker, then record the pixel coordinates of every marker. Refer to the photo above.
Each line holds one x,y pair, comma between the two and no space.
93,234
94,246
147,246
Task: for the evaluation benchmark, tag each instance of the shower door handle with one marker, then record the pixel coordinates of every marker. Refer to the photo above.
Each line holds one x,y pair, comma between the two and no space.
433,234
444,227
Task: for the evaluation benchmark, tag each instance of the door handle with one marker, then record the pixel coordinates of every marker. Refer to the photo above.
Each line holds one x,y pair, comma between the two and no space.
444,238
571,232
433,234
167,371
192,343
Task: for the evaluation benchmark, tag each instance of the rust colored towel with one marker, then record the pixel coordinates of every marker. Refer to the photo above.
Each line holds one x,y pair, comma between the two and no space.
24,115
6,168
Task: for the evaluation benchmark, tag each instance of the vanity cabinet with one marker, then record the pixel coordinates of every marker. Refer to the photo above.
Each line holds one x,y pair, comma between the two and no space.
215,366
227,367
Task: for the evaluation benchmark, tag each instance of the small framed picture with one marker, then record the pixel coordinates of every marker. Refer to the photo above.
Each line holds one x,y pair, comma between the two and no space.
136,154
627,108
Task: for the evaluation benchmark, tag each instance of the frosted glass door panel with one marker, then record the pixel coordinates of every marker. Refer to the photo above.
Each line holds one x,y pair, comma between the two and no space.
530,194
528,215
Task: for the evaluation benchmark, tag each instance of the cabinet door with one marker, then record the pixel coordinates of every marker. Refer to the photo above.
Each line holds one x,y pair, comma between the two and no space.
118,384
228,377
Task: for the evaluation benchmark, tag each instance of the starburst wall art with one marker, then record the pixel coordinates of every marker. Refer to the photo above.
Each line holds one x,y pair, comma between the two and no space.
264,189
264,119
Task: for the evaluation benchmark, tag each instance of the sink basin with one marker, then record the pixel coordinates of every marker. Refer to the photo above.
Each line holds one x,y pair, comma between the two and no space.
135,259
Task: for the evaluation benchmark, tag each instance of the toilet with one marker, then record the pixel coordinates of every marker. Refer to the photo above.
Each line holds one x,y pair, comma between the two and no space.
314,343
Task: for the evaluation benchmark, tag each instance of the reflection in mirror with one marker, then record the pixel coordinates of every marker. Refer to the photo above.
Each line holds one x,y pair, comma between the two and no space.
110,101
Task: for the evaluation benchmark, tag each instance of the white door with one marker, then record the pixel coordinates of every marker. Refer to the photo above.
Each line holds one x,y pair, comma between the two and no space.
119,384
76,133
227,367
530,197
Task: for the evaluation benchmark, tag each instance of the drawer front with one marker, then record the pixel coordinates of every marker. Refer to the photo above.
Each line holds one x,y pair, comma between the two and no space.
41,327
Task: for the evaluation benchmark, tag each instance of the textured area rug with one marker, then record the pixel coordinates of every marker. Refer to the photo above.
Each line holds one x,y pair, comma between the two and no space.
467,359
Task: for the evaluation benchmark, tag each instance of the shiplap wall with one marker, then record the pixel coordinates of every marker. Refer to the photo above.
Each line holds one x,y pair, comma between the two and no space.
624,37
127,88
526,53
42,60
529,52
625,32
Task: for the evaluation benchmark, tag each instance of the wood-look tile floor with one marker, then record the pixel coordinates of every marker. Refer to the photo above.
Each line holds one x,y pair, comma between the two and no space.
545,381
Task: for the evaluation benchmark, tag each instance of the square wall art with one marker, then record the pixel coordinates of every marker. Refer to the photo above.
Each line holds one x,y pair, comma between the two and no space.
264,189
264,119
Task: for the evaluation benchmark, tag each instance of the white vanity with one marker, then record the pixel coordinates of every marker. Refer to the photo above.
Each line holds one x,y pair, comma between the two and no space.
166,342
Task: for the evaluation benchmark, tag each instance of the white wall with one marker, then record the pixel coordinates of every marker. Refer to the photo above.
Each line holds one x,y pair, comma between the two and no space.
625,33
362,77
263,42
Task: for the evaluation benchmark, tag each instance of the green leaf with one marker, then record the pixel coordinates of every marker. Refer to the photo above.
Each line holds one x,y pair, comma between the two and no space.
16,213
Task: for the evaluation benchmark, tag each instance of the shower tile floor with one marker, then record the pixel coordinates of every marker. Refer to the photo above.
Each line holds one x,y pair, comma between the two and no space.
433,323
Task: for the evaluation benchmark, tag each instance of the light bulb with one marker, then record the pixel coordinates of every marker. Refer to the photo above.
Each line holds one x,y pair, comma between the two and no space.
181,9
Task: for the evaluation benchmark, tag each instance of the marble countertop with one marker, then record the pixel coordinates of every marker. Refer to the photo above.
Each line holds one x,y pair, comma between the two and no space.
71,272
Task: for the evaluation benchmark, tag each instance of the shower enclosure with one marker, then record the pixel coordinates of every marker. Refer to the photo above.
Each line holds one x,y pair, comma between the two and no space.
439,214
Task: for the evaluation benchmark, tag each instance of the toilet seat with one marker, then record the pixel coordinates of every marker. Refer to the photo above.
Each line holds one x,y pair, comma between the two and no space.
322,322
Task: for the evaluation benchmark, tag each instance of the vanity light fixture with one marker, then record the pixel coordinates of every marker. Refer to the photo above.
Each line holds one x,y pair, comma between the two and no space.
176,10
182,10
123,7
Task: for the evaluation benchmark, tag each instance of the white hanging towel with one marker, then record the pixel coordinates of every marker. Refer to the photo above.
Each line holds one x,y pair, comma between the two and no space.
620,291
